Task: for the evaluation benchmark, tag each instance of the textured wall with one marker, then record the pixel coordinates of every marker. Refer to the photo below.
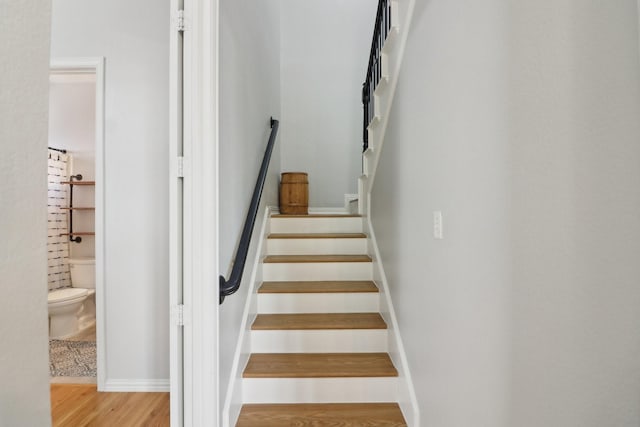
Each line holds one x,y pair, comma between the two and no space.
575,227
445,150
24,71
519,121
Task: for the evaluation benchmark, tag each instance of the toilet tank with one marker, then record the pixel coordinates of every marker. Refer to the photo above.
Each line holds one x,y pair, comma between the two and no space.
83,272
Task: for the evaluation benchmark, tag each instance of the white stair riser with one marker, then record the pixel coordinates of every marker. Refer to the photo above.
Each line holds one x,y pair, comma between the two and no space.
319,390
309,271
320,341
353,302
316,225
341,246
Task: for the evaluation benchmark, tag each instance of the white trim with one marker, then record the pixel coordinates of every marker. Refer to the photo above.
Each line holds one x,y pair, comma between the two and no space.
407,398
320,390
137,386
320,341
350,302
393,55
176,334
201,271
233,400
334,210
317,271
352,198
97,66
316,225
317,246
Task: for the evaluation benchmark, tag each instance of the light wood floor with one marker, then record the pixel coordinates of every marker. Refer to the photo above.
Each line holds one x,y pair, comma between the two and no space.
80,405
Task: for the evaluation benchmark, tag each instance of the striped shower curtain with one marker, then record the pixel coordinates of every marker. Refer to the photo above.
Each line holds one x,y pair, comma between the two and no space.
58,198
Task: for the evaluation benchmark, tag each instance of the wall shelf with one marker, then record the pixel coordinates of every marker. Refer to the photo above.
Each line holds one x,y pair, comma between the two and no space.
75,181
79,182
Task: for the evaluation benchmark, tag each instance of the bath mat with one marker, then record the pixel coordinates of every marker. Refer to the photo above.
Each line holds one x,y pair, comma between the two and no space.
72,358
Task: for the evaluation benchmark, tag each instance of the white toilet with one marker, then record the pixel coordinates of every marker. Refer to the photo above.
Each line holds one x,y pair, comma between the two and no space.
73,309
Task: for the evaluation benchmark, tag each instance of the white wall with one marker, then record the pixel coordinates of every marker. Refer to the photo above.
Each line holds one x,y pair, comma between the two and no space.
134,39
24,72
249,95
575,175
325,50
72,126
520,123
445,150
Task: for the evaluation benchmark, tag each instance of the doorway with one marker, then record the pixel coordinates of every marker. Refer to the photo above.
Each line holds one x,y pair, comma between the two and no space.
76,159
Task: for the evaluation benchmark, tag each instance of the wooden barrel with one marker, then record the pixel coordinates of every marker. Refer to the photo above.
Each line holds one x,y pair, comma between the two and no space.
294,193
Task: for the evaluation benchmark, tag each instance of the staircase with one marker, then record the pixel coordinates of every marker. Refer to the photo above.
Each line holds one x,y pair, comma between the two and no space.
318,343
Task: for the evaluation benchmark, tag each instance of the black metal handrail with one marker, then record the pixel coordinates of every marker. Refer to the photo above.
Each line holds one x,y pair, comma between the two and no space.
229,287
374,68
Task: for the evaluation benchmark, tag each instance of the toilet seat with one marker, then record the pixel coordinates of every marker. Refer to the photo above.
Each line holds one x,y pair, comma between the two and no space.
66,294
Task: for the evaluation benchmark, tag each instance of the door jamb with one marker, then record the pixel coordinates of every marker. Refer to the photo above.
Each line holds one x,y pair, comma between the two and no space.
201,271
95,65
176,219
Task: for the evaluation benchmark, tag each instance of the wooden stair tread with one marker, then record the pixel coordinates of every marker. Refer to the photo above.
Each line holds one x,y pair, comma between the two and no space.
321,415
317,216
317,287
319,365
315,258
310,321
317,236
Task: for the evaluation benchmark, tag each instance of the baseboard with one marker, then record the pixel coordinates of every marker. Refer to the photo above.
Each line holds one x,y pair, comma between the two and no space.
124,385
233,399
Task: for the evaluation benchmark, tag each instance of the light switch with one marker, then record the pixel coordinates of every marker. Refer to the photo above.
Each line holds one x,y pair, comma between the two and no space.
437,225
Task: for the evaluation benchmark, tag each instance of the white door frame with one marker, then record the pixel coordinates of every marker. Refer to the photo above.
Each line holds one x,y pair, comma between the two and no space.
95,65
200,270
176,224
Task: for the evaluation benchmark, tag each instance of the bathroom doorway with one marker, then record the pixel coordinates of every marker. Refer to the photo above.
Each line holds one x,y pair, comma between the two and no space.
76,221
